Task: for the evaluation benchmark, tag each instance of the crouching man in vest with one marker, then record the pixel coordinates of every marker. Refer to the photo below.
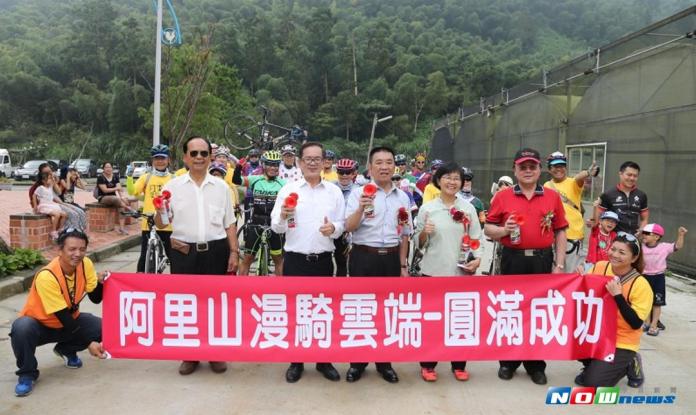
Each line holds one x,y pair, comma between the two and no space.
51,313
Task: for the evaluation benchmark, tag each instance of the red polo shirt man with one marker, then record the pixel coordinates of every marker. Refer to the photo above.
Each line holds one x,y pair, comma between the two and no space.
529,221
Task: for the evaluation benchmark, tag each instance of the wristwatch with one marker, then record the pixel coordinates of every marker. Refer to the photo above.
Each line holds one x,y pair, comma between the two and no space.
559,266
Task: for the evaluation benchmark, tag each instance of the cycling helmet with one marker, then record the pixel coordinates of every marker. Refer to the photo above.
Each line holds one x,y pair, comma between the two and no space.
254,153
159,150
346,164
400,159
271,157
288,149
330,155
556,158
218,167
468,174
436,164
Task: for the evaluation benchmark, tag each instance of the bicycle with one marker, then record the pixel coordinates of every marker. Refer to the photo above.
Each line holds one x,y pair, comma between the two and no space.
156,260
243,133
263,252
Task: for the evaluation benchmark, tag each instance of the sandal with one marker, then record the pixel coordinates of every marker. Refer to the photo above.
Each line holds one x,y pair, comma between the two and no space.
653,331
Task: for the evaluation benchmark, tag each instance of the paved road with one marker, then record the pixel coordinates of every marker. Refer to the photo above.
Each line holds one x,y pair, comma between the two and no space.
155,387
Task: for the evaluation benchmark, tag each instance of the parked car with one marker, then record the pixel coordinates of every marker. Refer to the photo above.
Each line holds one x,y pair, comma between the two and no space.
85,167
30,169
139,168
5,163
117,169
59,163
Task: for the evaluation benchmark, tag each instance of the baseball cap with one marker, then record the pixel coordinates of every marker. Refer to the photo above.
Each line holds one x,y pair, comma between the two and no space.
527,154
654,228
610,215
557,158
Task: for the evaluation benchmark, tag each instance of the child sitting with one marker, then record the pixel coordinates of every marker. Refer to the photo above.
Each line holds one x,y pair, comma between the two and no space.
655,254
601,237
46,203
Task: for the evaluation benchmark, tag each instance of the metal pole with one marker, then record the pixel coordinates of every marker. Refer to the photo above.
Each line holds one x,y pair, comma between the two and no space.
158,76
372,138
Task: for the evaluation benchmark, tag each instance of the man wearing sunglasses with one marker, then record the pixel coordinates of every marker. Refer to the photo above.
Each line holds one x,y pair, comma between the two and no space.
529,221
204,232
51,313
264,190
347,170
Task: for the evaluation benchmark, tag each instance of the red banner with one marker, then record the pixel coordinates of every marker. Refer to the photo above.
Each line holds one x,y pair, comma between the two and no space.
310,319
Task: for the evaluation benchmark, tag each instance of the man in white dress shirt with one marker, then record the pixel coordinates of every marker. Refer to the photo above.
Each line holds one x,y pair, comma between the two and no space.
318,221
204,234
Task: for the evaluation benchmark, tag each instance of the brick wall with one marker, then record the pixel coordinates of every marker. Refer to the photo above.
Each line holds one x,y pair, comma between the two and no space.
29,230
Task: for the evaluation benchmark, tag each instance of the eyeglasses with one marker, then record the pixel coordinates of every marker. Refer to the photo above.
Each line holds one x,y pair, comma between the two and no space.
344,172
202,153
312,160
453,178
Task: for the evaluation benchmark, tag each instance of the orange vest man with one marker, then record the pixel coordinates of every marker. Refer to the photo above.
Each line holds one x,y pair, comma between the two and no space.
51,313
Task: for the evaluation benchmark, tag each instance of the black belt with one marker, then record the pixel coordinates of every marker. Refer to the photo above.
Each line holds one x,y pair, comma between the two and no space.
310,257
377,251
205,246
528,252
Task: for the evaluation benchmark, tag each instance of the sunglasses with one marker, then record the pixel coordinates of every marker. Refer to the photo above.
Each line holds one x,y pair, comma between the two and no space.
646,233
628,237
202,153
344,172
72,232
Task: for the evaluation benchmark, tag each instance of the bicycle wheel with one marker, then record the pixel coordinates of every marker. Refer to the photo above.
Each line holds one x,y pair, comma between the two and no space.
151,258
161,258
240,132
262,257
240,237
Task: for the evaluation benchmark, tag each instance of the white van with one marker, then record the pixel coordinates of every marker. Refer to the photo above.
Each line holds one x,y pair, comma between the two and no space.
5,163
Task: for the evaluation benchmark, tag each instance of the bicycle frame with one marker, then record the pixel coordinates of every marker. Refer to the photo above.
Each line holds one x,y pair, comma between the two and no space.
156,260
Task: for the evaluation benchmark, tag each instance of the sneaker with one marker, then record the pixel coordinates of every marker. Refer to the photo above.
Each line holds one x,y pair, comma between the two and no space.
646,326
653,331
24,386
428,375
71,360
580,379
660,326
461,374
635,373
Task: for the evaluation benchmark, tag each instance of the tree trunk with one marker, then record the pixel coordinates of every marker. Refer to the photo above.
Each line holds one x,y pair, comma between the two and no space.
419,109
355,67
